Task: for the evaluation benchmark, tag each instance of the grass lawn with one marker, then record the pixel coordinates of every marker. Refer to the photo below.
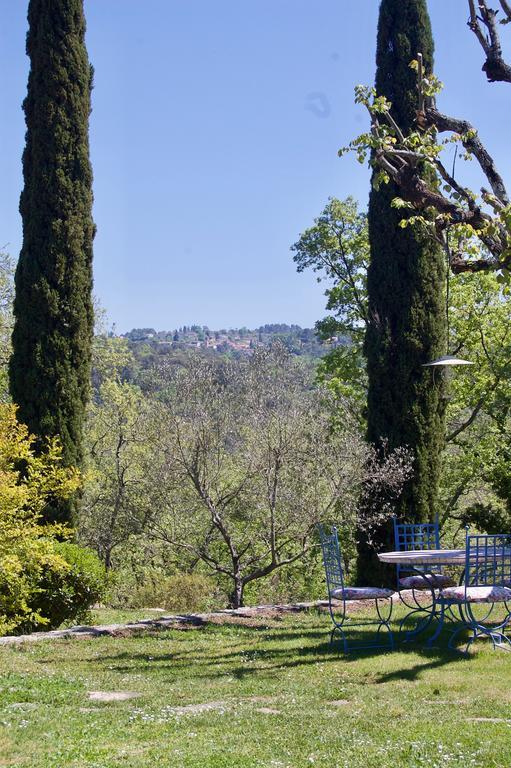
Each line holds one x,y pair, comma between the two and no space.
267,692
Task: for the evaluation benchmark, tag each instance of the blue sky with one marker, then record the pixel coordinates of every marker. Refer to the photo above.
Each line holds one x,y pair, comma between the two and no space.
214,139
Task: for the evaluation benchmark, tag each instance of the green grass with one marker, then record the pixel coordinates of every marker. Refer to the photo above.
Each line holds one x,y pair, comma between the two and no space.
279,696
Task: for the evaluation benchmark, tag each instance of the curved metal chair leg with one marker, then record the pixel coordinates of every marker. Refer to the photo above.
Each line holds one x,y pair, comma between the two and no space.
391,637
494,634
384,621
501,641
456,633
421,625
470,641
440,625
427,612
344,640
384,625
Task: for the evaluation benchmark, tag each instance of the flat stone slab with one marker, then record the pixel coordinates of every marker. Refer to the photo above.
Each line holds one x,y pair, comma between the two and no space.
196,709
112,695
23,705
488,720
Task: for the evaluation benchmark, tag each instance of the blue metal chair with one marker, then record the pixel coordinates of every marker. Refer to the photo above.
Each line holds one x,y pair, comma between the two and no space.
339,594
487,581
410,537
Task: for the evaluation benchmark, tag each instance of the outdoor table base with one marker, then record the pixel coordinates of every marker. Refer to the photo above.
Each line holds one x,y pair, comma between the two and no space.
440,607
422,604
432,614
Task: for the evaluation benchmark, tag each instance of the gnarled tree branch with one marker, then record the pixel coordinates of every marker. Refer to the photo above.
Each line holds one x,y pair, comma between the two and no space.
473,144
485,27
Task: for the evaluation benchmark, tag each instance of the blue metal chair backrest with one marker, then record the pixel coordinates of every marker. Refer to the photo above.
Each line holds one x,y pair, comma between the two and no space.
488,560
331,559
415,536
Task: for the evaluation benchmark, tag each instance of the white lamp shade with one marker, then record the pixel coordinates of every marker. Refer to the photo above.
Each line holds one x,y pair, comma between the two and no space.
447,360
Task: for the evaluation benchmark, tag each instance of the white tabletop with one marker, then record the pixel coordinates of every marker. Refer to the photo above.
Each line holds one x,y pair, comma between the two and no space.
425,557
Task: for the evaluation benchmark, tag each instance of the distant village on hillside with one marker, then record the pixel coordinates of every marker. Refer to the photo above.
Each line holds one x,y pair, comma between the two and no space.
300,341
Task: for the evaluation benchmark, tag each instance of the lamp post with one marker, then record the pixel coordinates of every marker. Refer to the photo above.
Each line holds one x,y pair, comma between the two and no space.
447,360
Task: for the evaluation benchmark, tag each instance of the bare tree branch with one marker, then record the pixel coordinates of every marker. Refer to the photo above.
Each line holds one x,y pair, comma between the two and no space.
472,143
506,8
495,67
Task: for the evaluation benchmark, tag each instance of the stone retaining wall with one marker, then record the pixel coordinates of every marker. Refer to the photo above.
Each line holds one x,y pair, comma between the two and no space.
164,622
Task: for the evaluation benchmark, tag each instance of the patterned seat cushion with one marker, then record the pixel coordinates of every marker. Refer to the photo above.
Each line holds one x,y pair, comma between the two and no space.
491,594
361,593
428,580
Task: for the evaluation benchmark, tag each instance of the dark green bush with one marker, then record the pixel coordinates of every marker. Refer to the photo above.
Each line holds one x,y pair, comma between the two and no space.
66,597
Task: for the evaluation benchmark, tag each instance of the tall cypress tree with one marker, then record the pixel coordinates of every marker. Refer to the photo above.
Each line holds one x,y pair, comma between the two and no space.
50,365
406,296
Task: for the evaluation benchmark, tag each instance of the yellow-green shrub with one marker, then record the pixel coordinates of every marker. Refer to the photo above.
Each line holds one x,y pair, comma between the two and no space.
28,549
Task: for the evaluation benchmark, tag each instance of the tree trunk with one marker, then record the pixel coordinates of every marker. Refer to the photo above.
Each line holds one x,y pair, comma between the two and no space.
236,596
405,283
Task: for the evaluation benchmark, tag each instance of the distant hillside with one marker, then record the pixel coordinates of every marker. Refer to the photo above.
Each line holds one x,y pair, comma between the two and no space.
231,342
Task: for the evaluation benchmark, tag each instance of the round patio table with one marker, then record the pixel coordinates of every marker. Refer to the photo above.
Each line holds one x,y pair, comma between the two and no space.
423,563
425,557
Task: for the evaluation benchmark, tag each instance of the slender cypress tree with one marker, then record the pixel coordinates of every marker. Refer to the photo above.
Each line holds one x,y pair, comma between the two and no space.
406,296
50,365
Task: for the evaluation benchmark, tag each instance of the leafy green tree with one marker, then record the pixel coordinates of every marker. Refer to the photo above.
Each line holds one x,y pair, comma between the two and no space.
121,460
112,360
336,248
475,483
405,282
51,361
6,299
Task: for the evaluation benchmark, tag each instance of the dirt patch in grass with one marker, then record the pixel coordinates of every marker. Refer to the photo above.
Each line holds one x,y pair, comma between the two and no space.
197,709
488,720
112,695
260,699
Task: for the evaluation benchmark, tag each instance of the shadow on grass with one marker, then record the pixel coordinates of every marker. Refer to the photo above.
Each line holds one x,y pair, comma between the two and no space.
284,648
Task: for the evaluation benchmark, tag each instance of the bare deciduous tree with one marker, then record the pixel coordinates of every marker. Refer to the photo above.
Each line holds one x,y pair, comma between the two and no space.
253,463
